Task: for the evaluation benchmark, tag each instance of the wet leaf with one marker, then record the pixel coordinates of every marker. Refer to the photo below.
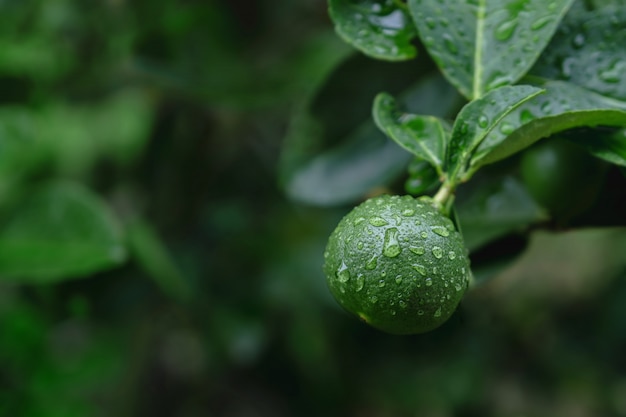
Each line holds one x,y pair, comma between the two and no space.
588,50
477,119
423,136
481,45
378,28
563,106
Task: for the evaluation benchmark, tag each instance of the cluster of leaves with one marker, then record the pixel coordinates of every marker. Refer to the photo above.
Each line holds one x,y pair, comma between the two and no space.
489,80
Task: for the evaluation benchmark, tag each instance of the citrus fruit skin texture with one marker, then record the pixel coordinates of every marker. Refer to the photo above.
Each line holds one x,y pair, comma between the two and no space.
398,264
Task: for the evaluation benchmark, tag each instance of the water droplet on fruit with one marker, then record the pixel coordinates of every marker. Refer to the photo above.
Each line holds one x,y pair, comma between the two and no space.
359,245
393,312
359,221
343,275
451,255
408,212
402,304
420,268
372,263
381,283
420,312
441,231
424,235
458,287
391,247
437,252
374,299
360,282
418,223
418,250
378,221
429,282
399,279
437,313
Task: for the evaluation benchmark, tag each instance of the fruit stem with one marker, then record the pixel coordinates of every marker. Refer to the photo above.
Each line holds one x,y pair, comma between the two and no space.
445,193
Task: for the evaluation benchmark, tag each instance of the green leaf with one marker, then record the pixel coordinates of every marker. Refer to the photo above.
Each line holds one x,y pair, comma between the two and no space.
588,50
423,136
494,207
563,106
364,161
378,28
60,231
363,158
608,146
154,257
484,44
477,119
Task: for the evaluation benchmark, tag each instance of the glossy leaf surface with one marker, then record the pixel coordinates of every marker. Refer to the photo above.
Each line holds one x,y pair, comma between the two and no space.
477,119
423,136
608,146
588,50
378,28
63,230
484,44
563,106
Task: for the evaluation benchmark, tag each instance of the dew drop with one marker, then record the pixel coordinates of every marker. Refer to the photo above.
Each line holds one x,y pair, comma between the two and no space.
424,235
541,22
420,268
381,283
526,116
408,212
429,282
399,279
614,73
483,121
451,255
418,223
430,22
374,299
458,287
360,282
505,30
359,221
438,312
372,263
391,247
402,304
546,107
578,41
506,128
449,43
441,231
378,221
420,312
437,252
343,274
359,245
418,250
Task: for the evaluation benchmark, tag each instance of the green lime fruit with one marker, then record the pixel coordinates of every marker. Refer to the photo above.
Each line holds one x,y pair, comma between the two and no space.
397,263
562,177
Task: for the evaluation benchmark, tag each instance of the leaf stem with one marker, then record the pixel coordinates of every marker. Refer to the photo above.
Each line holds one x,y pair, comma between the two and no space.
444,194
400,4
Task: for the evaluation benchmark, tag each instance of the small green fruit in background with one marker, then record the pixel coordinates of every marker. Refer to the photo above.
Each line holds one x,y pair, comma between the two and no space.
562,177
397,263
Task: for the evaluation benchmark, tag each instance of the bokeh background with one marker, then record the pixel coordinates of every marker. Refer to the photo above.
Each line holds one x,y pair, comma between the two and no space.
185,122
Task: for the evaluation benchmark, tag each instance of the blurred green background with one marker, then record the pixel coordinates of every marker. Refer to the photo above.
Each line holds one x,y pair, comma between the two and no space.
157,257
